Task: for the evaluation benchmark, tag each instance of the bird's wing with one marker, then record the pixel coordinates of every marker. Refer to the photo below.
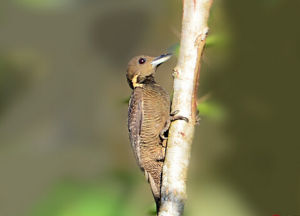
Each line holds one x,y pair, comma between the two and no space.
135,119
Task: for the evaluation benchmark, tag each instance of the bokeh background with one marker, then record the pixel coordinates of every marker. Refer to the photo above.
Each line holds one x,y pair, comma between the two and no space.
64,148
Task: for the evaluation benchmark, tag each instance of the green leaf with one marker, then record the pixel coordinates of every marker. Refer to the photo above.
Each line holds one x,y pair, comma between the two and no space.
174,49
216,40
212,110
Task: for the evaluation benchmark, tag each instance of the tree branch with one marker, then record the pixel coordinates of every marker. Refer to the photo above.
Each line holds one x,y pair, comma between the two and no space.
186,75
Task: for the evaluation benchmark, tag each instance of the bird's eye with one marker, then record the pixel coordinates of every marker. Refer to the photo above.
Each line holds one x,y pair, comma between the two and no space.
142,61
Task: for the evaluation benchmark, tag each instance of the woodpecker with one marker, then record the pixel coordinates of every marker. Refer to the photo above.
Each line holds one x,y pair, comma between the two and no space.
149,118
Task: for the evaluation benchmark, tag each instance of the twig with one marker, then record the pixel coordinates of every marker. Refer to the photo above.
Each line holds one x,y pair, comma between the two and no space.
186,75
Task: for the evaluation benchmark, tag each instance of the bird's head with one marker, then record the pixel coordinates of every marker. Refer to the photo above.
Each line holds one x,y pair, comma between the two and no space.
142,68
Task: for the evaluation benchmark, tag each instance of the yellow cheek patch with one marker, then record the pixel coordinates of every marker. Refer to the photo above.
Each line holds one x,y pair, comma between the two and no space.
134,82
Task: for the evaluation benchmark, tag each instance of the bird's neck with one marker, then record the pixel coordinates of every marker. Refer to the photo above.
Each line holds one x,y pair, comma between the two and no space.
148,80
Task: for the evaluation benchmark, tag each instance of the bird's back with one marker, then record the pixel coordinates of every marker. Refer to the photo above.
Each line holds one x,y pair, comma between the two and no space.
149,110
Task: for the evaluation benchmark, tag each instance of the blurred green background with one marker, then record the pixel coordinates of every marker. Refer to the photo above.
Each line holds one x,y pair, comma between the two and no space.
64,148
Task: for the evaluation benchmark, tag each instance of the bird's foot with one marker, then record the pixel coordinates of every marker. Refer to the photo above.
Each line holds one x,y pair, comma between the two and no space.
164,130
173,116
198,119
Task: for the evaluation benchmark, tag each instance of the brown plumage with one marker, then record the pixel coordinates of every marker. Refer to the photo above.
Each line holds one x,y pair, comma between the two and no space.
148,118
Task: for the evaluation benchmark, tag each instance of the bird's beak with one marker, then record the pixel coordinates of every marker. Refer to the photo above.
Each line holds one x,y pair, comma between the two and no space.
160,59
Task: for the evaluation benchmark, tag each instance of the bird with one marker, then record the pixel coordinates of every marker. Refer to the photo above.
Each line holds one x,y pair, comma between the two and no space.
149,118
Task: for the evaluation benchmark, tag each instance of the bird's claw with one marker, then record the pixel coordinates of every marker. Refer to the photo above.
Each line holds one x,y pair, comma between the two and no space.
198,119
174,118
162,136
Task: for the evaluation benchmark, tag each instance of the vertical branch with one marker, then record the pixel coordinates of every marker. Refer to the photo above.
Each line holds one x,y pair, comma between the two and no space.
186,75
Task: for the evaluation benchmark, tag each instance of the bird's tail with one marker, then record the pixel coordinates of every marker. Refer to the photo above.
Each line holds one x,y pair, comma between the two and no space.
155,179
157,202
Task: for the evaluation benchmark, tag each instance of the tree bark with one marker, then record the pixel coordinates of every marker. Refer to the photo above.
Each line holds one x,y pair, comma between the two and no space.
186,76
